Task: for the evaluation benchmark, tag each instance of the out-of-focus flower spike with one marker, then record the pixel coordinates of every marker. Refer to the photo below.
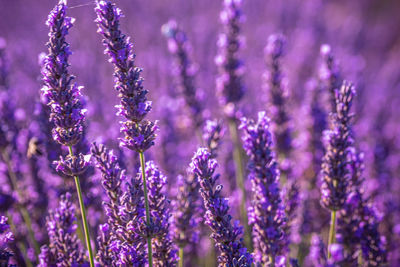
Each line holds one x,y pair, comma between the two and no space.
185,70
276,88
330,74
267,214
230,85
212,134
358,222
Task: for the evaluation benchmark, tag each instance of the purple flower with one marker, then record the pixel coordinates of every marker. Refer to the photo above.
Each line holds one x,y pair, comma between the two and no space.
230,81
73,165
187,211
185,71
64,247
64,96
138,136
227,236
139,133
6,238
9,129
276,87
329,73
121,240
267,214
335,173
164,252
358,222
212,134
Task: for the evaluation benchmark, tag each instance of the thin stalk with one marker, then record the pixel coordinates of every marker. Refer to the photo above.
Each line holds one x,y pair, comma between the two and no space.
180,264
146,202
20,244
21,208
199,136
272,261
332,232
83,213
238,158
79,230
360,259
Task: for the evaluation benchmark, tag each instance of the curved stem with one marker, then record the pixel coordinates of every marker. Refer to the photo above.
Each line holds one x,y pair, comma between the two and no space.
146,202
83,213
332,232
21,208
238,158
180,264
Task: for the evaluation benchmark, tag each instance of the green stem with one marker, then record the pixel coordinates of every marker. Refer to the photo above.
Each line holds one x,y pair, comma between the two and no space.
146,202
20,244
332,232
200,136
180,264
272,261
83,213
22,209
237,156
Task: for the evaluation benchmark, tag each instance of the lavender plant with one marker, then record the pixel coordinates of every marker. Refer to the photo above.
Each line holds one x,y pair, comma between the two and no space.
227,236
358,222
65,248
64,100
139,133
164,250
329,73
230,87
267,214
10,132
335,172
276,86
288,150
120,239
180,48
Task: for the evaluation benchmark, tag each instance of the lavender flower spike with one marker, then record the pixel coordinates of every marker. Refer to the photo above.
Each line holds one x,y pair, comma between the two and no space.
212,134
329,73
335,171
139,133
120,239
59,87
228,237
180,48
267,214
165,254
186,213
229,83
358,222
335,174
64,100
276,86
65,248
134,106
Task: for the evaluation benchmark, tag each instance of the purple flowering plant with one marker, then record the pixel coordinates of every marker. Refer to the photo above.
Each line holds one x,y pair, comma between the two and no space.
309,162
